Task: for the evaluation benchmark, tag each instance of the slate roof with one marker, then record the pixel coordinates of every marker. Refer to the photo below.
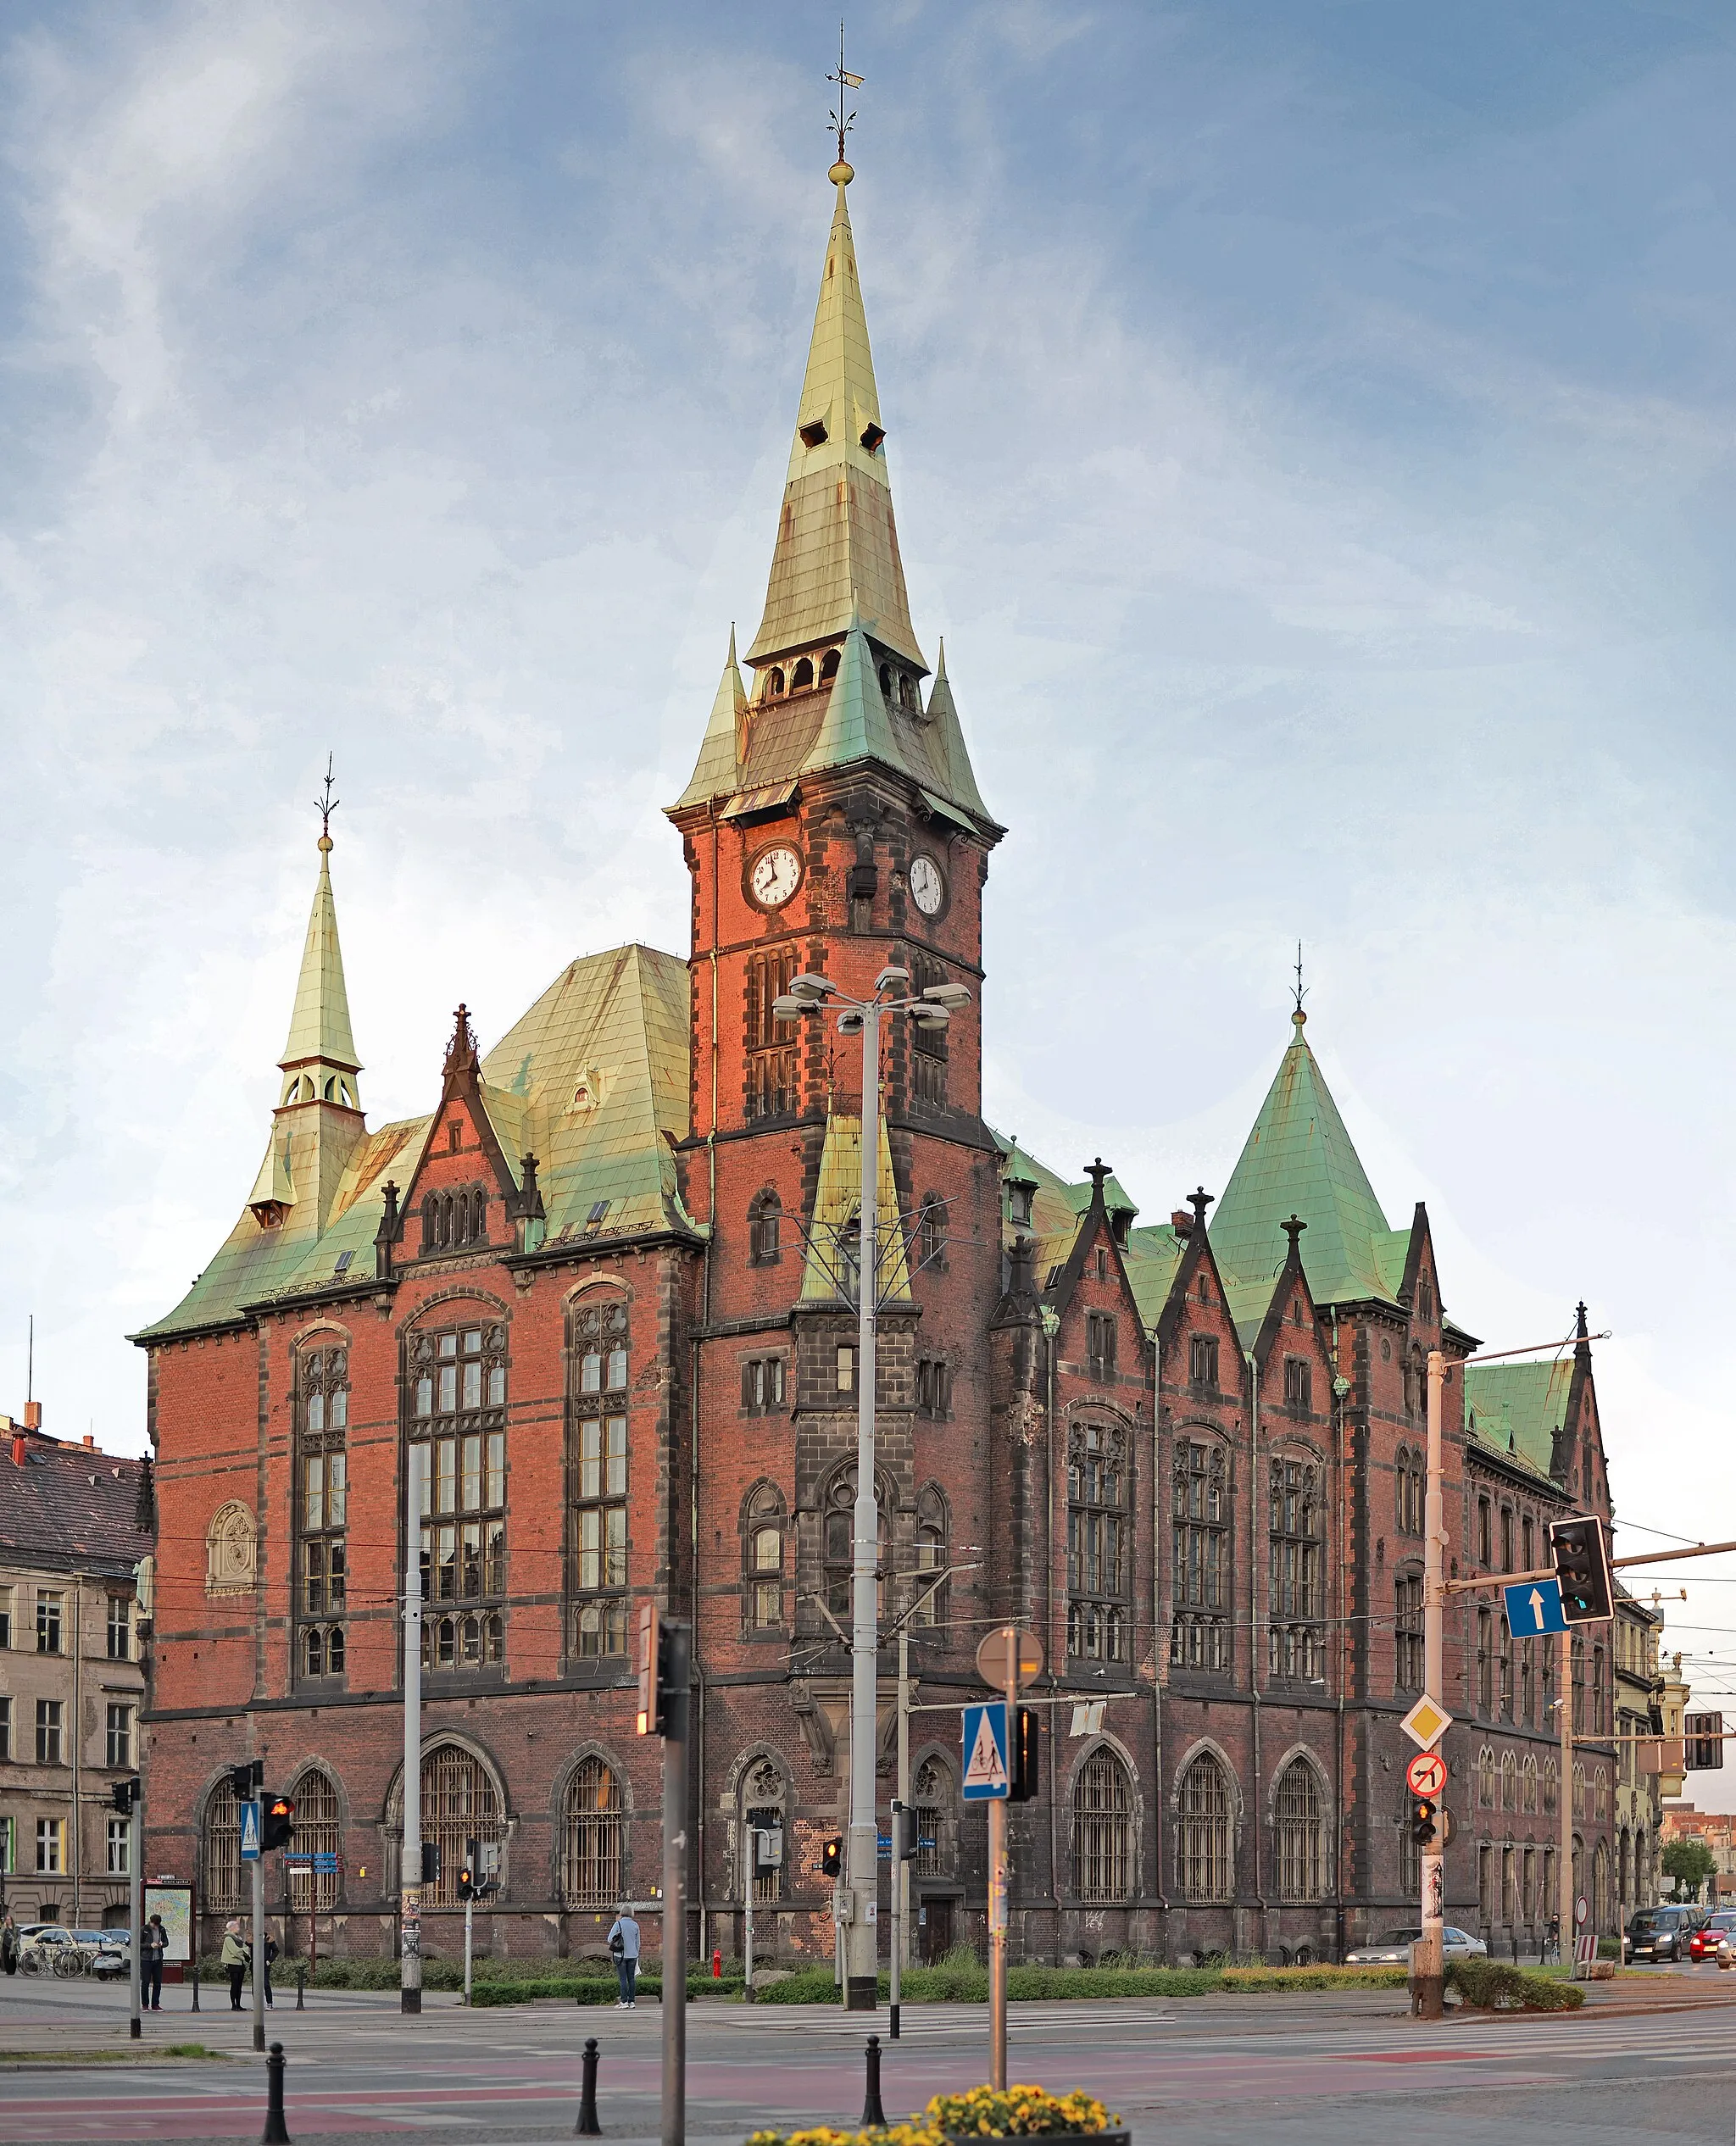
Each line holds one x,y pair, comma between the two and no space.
1299,1160
1515,1409
71,1506
615,1023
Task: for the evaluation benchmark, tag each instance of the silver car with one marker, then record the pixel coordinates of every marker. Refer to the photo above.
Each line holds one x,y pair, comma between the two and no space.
1392,1947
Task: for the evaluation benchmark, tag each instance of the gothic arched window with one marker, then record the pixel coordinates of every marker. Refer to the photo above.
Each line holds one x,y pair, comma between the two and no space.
838,1546
459,1805
314,1890
322,1509
1201,1541
934,1804
1103,1829
1297,1644
1097,1542
765,1229
1486,1778
762,1545
933,1530
763,1859
1203,1862
222,1888
601,1357
1298,1834
591,1838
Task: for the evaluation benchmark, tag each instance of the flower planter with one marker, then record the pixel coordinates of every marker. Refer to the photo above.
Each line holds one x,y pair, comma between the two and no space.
1042,2137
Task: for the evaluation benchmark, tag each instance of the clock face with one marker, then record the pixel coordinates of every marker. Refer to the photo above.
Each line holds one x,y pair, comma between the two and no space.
927,887
774,877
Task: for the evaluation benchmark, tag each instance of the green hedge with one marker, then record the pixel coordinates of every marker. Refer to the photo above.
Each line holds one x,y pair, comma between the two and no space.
970,1985
1494,1987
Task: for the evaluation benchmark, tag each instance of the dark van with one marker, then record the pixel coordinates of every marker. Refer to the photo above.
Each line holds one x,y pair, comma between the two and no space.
1662,1933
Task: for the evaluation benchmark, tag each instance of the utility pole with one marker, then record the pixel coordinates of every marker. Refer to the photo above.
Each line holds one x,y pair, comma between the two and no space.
135,1894
748,1915
1564,1875
999,1877
1431,1965
409,1873
258,1878
675,1883
900,1862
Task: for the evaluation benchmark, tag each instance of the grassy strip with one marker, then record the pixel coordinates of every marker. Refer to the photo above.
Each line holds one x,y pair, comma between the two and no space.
134,2054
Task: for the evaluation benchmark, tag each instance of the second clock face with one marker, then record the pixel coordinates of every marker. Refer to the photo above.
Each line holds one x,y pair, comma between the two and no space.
774,877
927,887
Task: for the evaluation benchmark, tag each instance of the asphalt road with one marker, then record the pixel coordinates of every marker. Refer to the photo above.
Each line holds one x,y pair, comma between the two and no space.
1327,2071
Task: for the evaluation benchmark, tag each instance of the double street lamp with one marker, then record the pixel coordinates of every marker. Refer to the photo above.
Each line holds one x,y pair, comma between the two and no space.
930,1008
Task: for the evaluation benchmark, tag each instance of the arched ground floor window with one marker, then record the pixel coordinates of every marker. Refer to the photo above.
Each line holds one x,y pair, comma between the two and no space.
591,1838
1103,1829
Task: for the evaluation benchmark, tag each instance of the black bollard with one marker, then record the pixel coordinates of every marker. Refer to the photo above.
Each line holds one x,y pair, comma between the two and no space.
587,2126
276,2133
872,2110
301,1986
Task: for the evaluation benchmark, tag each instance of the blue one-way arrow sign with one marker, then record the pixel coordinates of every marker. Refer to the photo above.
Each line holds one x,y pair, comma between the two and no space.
1535,1606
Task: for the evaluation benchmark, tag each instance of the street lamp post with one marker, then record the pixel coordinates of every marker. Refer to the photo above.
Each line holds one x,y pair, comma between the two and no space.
931,1008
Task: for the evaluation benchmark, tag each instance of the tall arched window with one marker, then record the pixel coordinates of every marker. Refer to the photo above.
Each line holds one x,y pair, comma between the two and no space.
1486,1778
312,1890
459,1804
221,1890
1411,1484
1551,1787
1201,1542
601,1357
1407,1642
772,1071
1097,1542
935,1806
763,1799
322,1509
933,1530
762,1546
458,1417
1103,1829
591,1851
1298,1835
1204,1867
837,1545
765,1229
1527,1784
1510,1782
1297,1637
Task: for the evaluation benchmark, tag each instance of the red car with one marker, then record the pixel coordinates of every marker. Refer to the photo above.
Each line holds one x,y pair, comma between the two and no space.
1703,1943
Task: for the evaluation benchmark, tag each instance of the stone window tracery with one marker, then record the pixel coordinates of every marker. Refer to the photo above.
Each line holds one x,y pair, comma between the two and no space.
322,1510
458,1396
1200,1533
601,1354
1097,1542
1297,1641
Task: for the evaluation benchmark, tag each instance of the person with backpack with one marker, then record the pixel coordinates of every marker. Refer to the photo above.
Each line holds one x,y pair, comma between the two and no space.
153,1942
624,1949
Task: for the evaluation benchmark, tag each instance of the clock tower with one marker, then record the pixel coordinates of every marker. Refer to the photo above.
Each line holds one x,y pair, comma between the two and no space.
833,824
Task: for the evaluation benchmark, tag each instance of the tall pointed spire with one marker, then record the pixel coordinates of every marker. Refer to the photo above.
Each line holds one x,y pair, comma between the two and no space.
838,547
318,1061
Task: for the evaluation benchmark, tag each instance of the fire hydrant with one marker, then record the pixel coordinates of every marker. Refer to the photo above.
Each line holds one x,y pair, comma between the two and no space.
717,1965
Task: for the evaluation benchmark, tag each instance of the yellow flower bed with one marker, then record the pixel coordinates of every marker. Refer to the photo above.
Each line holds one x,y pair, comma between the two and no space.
985,2112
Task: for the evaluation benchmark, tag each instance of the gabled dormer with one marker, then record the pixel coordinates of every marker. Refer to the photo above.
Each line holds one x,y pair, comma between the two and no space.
1091,1297
464,1194
1198,1347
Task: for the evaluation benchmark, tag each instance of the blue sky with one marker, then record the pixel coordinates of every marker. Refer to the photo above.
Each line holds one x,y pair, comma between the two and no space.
1312,429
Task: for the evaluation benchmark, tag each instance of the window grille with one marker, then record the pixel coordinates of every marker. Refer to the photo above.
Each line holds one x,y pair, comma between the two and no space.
1204,1861
933,1808
838,1544
1103,1830
458,1805
762,1812
599,1525
591,1861
317,1832
1298,1835
221,1887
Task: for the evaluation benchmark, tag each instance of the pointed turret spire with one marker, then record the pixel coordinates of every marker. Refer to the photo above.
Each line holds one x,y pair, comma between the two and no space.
838,547
318,1061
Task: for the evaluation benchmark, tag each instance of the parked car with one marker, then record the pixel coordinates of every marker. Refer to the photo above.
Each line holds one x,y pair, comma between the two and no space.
1663,1933
1392,1947
1703,1943
33,1934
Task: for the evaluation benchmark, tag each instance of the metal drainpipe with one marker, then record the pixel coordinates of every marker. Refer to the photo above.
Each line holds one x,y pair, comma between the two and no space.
1254,1638
78,1743
693,1394
1051,1326
1338,1509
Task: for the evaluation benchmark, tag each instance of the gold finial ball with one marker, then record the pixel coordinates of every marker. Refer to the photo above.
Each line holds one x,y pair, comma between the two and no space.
326,842
1299,1018
841,173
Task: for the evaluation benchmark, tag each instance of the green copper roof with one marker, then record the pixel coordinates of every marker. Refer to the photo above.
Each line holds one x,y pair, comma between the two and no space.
319,1028
1299,1160
837,553
592,1080
1517,1408
950,743
837,1201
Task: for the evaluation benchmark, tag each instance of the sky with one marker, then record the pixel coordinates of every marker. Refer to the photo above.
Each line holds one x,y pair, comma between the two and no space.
1312,427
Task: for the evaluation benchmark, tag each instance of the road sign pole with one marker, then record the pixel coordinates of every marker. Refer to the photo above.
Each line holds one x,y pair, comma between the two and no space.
862,1862
1429,1995
1564,1795
998,1884
135,1891
409,1860
259,1946
675,1888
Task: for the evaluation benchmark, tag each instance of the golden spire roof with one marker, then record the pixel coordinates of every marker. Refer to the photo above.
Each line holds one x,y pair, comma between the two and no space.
319,1028
837,554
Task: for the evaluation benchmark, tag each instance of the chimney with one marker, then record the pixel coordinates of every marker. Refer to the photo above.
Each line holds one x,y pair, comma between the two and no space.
88,1441
18,1448
1182,1221
32,1415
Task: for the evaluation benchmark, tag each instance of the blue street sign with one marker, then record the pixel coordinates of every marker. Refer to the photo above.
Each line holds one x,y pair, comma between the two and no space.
986,1752
1535,1606
250,1832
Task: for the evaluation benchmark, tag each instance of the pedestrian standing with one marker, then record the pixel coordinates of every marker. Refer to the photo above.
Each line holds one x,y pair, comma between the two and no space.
233,1960
152,1944
9,1944
624,1947
270,1954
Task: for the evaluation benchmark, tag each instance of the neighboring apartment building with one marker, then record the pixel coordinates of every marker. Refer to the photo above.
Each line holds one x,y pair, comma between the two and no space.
75,1524
1639,1788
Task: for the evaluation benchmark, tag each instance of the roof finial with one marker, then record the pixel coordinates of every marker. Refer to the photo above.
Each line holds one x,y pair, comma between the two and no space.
841,174
1299,1016
325,805
1200,1199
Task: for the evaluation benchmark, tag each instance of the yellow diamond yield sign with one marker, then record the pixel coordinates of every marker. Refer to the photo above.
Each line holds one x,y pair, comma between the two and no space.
1427,1722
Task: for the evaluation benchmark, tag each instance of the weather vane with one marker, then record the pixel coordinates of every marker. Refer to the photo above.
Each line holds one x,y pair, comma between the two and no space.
325,806
843,121
1300,993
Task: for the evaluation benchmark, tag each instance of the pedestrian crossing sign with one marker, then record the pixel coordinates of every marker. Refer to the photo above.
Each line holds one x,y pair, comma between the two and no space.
250,1830
986,1752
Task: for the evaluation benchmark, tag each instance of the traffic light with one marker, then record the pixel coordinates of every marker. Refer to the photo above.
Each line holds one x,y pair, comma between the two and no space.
277,1826
245,1778
1422,1819
832,1856
653,1673
467,1886
125,1795
904,1832
1581,1568
1704,1751
431,1862
1027,1749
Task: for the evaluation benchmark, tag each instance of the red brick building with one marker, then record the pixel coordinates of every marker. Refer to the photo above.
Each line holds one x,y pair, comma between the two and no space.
608,1281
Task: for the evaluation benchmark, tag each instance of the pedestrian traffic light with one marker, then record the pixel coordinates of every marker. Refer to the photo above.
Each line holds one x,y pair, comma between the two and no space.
1027,1748
1422,1826
431,1862
832,1856
125,1795
245,1778
1581,1568
904,1831
653,1673
467,1886
277,1827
